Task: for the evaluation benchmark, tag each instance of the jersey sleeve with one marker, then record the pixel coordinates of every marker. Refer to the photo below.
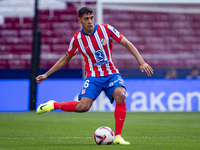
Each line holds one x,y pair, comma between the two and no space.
114,33
73,47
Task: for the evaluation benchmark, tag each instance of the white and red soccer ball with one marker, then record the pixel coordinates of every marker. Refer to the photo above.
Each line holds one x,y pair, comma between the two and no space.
104,136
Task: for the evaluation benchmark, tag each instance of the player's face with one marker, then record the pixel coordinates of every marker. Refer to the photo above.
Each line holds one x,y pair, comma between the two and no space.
87,21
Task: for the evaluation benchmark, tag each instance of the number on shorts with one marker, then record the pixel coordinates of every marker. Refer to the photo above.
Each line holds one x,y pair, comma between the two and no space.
86,84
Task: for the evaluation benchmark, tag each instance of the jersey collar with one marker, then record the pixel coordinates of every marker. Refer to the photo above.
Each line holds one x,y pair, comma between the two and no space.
95,28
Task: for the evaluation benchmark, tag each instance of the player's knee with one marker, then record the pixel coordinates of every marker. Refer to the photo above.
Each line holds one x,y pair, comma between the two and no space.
82,108
84,105
120,96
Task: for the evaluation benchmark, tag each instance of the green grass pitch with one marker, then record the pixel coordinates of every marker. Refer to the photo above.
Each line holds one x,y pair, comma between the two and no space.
74,131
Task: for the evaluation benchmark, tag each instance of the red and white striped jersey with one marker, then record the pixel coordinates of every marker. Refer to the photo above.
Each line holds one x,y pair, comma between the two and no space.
96,49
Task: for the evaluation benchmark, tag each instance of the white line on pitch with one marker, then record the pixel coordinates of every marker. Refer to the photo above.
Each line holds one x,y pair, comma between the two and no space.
15,138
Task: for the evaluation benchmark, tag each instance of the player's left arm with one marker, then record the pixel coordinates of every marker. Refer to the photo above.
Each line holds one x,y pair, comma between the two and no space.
144,67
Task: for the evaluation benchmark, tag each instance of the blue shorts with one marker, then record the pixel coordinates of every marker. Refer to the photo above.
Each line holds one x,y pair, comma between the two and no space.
93,86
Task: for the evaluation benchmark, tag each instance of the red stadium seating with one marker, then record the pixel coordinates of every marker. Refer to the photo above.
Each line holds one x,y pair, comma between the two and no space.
12,20
9,33
18,63
166,34
75,63
25,26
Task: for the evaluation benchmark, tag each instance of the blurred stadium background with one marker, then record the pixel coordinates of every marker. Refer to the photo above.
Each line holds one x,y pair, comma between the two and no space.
167,34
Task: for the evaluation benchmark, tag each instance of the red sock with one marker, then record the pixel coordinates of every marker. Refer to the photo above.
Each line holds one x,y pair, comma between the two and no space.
66,106
120,115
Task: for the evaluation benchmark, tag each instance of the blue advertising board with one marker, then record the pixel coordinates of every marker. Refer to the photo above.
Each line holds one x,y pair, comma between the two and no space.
163,95
14,95
144,95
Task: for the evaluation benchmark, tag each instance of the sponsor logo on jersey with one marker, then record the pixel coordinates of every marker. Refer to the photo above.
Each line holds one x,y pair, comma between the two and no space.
100,55
101,63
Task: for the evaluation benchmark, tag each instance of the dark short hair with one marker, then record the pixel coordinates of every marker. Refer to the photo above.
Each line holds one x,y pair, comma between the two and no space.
84,10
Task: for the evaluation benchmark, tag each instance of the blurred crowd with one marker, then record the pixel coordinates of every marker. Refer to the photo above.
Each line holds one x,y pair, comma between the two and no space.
173,74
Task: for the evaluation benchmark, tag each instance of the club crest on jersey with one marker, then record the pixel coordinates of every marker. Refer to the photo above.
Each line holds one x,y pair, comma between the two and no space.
103,41
83,91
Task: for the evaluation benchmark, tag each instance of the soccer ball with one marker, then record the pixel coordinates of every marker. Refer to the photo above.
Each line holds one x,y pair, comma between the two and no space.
104,136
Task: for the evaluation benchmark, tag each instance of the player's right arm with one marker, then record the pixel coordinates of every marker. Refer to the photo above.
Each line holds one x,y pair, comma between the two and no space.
57,66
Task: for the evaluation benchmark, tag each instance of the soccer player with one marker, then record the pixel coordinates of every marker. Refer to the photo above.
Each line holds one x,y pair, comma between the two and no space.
94,42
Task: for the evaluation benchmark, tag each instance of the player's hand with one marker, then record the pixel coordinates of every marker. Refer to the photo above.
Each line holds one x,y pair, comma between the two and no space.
41,78
146,68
